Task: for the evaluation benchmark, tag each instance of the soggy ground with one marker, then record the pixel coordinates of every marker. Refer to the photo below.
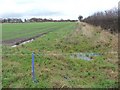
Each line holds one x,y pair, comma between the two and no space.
84,56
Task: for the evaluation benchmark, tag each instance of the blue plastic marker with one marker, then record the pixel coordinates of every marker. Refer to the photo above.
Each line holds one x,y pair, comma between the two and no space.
33,73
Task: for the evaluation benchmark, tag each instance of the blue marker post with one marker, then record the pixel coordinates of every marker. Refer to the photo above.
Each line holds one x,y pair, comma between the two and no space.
33,73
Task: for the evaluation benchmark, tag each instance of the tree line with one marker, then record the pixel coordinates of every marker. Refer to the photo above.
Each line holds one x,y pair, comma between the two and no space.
107,19
11,20
15,20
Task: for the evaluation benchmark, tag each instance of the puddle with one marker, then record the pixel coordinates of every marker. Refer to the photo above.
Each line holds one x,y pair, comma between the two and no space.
84,56
23,42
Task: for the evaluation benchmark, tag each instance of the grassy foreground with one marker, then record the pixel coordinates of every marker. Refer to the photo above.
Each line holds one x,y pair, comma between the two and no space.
53,65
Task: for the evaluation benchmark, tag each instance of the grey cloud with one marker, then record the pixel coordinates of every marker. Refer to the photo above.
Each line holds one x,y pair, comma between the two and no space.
11,15
34,12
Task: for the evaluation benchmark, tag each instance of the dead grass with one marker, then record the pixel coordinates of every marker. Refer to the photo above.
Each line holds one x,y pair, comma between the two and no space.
100,36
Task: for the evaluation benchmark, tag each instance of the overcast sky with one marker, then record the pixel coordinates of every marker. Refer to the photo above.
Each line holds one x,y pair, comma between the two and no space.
56,9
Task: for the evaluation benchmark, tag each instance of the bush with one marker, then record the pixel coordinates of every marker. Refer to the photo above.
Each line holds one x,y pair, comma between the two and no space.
107,20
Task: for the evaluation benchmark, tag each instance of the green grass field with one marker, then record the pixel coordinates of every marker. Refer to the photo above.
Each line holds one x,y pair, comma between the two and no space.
26,30
53,65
